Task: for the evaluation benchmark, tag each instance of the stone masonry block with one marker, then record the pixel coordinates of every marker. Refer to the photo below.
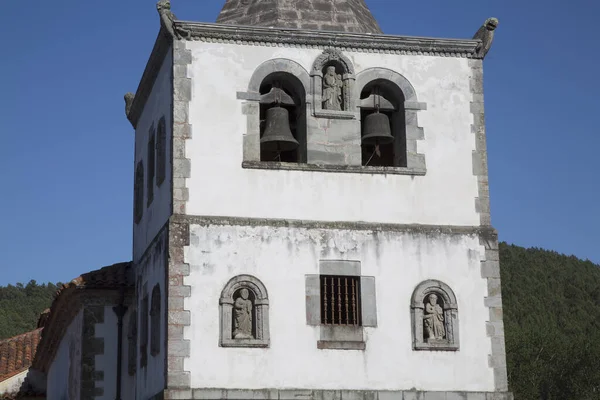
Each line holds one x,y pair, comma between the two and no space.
414,396
209,394
434,396
390,395
175,363
496,314
182,194
295,394
178,394
492,255
182,168
494,288
494,328
184,291
182,89
456,396
180,71
179,317
182,57
493,301
176,303
180,112
178,380
180,348
490,269
179,269
476,396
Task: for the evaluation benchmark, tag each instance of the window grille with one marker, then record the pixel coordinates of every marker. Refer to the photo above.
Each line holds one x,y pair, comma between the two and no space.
340,300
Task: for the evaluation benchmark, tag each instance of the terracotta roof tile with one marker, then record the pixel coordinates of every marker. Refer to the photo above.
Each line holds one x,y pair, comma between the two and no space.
17,353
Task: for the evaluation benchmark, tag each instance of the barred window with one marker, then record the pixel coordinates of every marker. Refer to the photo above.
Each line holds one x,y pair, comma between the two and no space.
340,300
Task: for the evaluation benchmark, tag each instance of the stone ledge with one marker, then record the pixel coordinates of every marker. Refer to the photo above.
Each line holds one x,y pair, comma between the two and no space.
336,114
353,169
340,345
205,220
308,394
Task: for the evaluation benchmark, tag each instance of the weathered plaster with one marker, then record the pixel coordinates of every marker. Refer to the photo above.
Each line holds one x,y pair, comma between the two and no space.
58,385
281,256
219,71
13,383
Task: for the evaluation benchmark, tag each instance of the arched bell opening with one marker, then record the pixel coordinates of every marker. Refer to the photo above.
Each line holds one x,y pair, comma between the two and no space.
383,125
282,119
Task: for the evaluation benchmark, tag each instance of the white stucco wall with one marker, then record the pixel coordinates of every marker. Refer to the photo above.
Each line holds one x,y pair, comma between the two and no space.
151,271
13,384
107,362
58,374
281,257
158,105
219,186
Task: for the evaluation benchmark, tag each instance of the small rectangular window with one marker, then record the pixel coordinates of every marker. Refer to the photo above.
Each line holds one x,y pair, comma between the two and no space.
340,300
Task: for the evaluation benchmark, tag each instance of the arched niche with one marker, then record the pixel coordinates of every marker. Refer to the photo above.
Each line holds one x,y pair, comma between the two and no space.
289,93
295,82
434,317
395,97
244,313
333,84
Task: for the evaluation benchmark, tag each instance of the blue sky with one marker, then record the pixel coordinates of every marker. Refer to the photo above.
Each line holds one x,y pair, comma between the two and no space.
66,148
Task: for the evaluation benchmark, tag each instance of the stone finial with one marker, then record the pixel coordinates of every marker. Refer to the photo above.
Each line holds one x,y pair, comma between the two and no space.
167,18
486,35
128,102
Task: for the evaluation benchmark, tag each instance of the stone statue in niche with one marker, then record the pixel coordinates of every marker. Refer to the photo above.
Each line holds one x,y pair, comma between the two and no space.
434,319
242,308
332,90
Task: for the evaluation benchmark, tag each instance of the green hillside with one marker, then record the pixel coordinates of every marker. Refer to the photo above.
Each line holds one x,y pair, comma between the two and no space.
21,305
552,324
551,316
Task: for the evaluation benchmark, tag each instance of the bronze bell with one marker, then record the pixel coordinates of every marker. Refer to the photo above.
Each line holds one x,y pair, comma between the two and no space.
377,129
277,135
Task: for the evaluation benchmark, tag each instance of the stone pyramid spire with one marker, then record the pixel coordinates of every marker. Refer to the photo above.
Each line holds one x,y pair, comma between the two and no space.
327,15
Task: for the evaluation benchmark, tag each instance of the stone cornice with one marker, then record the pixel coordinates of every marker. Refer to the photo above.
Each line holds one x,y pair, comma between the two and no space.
371,43
287,37
486,232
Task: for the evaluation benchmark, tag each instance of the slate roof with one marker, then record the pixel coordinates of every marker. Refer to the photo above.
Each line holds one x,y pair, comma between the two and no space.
328,15
17,353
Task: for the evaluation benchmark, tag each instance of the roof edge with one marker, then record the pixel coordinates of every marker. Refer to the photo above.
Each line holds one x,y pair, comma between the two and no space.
189,30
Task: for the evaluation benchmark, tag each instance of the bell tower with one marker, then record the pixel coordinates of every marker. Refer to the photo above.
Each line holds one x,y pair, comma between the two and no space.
326,231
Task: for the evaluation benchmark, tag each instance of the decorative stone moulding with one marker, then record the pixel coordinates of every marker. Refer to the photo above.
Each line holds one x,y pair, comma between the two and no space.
333,75
258,313
425,315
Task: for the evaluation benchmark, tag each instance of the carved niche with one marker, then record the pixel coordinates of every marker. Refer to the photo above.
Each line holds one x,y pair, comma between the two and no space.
333,82
434,315
244,311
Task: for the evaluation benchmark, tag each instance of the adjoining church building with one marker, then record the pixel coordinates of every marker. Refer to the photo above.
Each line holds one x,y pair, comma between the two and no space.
311,220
